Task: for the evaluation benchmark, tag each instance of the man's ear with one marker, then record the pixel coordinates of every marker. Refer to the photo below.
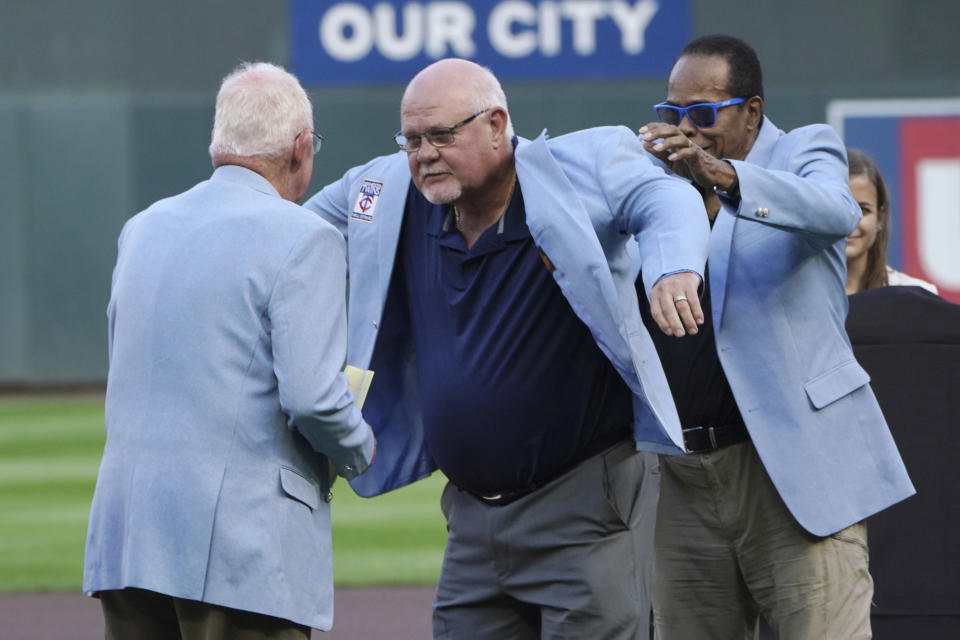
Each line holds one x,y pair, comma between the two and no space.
498,124
302,147
754,112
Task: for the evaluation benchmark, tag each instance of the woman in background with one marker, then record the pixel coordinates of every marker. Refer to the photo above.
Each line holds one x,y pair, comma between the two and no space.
867,266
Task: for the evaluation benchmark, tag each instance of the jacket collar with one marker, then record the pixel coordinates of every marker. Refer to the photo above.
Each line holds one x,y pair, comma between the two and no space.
763,146
722,233
245,177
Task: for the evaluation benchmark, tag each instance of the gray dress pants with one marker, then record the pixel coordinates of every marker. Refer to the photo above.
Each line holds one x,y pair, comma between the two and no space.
571,560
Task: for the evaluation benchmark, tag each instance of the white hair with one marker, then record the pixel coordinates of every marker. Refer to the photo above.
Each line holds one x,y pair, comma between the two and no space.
488,93
261,108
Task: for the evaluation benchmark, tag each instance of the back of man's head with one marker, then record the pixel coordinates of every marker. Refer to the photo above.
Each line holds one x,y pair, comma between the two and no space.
746,78
261,108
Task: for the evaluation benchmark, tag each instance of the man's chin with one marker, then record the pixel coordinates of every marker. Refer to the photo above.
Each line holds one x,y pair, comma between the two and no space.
440,197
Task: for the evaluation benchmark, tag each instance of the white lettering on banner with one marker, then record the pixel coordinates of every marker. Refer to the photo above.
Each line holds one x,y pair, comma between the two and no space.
391,44
516,28
938,219
633,22
507,43
450,24
333,32
348,31
584,15
549,29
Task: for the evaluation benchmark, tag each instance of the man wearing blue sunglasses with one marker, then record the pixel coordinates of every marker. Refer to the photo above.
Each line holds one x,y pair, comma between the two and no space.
787,450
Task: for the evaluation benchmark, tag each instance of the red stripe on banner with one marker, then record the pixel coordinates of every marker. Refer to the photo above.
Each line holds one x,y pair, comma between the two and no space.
922,139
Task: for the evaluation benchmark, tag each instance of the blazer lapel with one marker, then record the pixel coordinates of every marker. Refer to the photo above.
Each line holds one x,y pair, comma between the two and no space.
721,239
562,228
721,236
372,245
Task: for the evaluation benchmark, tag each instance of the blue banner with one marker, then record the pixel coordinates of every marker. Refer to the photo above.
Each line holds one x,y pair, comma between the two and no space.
387,42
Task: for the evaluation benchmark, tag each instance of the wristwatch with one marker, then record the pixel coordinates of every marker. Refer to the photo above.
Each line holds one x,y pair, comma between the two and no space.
733,193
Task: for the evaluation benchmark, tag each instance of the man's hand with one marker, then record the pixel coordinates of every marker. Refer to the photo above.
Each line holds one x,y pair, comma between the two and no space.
686,159
675,305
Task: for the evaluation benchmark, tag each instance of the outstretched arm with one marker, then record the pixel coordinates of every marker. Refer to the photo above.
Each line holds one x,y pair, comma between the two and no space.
309,337
668,219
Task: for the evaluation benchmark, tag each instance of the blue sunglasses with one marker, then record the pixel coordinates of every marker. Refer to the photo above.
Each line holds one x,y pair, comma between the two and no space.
703,115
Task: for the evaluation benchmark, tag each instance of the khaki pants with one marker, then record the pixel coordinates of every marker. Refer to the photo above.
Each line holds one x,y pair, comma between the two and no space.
727,550
137,614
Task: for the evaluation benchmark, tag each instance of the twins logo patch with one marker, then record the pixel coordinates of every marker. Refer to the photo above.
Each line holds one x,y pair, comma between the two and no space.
367,200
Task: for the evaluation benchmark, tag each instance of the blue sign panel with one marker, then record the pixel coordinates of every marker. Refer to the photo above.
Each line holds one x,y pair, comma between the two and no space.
389,41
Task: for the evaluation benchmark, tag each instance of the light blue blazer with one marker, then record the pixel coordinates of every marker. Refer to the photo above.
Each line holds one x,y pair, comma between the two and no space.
227,336
587,195
777,278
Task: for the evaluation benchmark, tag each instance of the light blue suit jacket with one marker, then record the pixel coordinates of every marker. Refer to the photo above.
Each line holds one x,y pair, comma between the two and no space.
586,195
227,336
777,278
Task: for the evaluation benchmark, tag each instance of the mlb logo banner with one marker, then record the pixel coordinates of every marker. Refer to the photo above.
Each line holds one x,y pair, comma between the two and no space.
389,41
916,144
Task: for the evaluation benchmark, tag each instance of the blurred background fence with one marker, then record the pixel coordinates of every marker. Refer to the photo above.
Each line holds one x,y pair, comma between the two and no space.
106,106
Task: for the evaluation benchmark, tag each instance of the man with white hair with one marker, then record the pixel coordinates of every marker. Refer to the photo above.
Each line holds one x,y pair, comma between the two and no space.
227,413
491,291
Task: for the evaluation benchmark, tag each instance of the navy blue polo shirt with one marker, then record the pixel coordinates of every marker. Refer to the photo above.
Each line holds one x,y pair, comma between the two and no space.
514,390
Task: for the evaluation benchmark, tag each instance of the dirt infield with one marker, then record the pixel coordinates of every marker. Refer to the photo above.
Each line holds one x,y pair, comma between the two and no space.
397,613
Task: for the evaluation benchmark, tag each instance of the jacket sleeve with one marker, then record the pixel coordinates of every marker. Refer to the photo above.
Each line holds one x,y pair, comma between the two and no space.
309,339
810,195
332,203
663,212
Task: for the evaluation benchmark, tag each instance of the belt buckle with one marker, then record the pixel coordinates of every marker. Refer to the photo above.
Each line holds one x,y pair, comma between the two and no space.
504,497
711,438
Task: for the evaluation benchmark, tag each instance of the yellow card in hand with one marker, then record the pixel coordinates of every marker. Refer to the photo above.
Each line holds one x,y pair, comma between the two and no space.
359,381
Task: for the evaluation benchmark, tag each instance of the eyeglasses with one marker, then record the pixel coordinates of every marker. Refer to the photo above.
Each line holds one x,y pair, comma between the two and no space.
317,140
703,115
439,137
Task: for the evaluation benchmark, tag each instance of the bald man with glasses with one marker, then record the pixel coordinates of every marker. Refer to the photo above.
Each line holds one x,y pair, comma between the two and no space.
787,450
491,290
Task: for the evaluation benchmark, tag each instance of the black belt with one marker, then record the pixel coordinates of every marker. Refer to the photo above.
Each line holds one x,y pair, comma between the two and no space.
706,439
505,497
501,498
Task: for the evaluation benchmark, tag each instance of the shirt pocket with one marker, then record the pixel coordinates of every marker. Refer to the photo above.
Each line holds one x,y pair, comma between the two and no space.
833,384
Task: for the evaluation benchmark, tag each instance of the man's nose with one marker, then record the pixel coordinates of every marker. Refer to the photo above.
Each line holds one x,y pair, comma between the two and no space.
687,127
427,152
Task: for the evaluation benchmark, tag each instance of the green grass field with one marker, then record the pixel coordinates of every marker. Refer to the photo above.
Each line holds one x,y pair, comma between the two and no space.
49,453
